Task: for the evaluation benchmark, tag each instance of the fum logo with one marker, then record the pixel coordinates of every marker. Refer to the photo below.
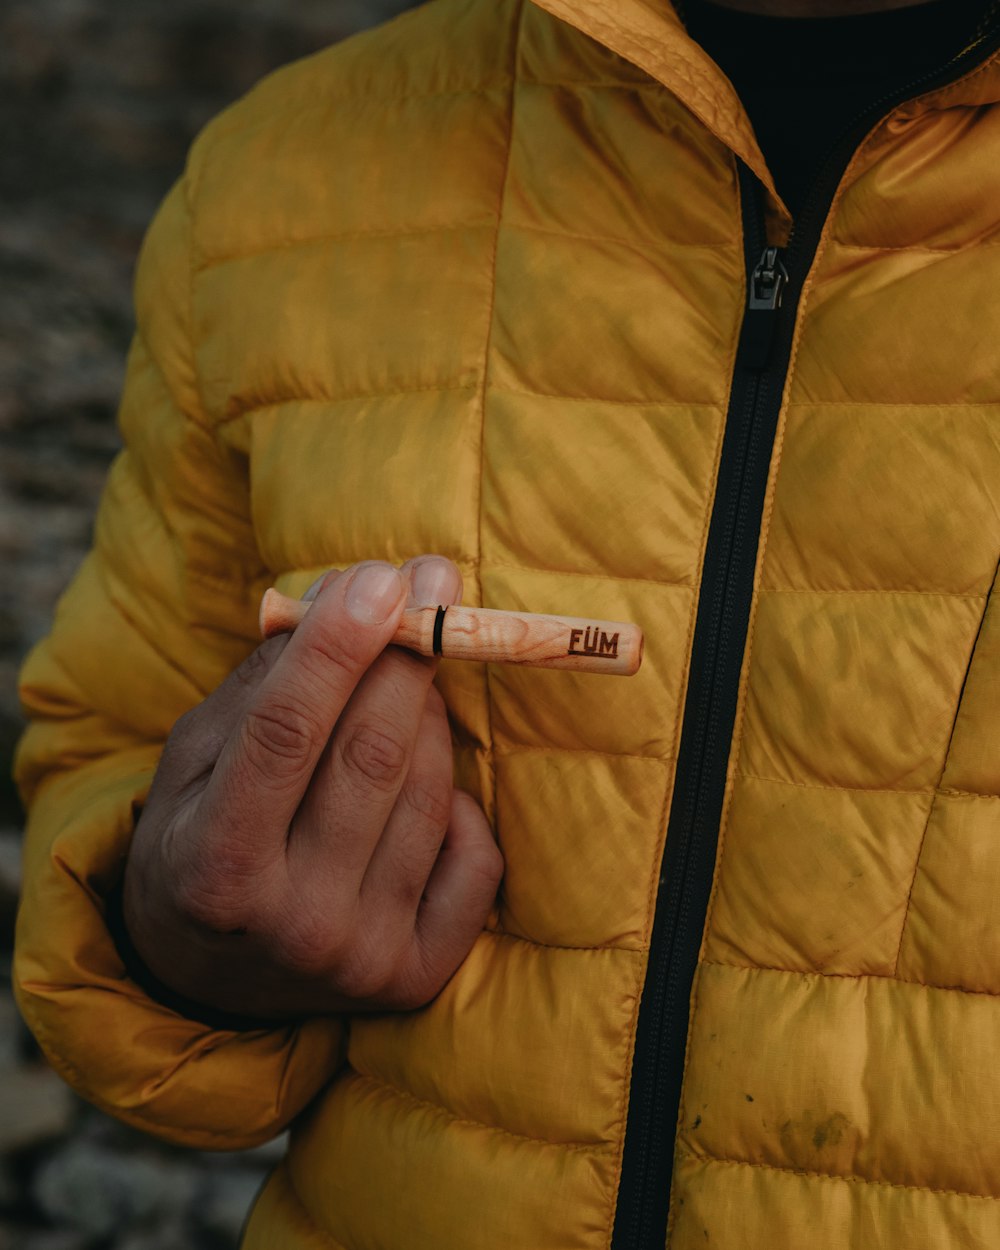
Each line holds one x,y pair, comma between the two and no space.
593,641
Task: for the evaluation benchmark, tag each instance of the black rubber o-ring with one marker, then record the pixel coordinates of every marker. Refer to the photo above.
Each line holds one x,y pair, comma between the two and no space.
438,628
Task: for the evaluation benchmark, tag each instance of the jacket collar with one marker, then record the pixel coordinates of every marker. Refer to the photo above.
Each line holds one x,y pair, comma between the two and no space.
650,35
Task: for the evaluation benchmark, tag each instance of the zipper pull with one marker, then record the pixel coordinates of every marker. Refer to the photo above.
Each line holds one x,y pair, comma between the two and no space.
767,283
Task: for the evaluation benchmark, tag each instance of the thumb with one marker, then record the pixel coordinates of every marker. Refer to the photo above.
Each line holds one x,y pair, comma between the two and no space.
198,736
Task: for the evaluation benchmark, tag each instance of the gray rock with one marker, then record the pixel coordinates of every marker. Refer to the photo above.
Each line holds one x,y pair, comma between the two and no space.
11,1189
35,1105
13,1034
175,1234
10,882
99,1192
23,1237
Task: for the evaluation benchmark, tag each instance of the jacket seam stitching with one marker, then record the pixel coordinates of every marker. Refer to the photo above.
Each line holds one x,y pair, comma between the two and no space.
918,248
941,776
648,249
209,262
849,1178
158,649
188,195
507,936
684,405
874,590
231,129
904,404
482,389
604,577
468,1122
473,562
647,84
928,792
150,356
284,401
853,976
517,748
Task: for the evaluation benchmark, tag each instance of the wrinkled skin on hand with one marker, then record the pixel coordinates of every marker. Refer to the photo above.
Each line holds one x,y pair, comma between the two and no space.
303,849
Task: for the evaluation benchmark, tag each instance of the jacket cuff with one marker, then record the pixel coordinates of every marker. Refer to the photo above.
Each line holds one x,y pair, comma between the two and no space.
132,1055
154,988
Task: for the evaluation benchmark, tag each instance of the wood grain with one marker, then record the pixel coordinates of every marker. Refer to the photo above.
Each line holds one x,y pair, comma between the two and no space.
581,644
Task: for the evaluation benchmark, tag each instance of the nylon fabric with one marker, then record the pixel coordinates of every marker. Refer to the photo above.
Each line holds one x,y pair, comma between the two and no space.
510,339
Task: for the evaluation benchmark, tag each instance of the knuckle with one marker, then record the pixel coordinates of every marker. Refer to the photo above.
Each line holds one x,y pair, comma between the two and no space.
308,948
208,899
429,801
363,977
195,739
377,753
280,735
323,651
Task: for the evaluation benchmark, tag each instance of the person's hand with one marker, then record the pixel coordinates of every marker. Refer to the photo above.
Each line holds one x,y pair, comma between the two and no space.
303,849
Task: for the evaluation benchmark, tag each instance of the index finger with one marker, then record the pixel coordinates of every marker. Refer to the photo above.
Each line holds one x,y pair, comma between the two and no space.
265,767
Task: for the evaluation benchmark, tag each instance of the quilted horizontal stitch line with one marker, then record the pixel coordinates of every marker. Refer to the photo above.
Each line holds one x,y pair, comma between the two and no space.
875,590
933,251
519,748
713,404
893,403
470,563
950,792
855,976
847,1178
648,248
489,565
287,401
603,84
239,125
151,358
164,656
208,263
466,564
506,936
405,1095
818,785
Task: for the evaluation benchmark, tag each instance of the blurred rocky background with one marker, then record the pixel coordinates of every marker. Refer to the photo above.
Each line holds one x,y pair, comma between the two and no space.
99,100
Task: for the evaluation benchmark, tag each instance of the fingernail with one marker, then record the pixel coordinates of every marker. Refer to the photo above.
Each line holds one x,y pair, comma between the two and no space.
432,582
373,592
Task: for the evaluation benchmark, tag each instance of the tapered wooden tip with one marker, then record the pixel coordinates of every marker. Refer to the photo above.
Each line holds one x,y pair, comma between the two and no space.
279,614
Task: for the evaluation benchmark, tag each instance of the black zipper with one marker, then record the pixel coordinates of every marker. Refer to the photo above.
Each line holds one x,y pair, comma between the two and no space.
775,278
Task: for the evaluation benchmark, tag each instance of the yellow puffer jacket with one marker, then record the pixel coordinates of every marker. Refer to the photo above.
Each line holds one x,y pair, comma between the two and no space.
475,283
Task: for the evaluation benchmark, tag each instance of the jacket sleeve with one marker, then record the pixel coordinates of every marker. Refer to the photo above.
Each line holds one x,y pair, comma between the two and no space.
163,607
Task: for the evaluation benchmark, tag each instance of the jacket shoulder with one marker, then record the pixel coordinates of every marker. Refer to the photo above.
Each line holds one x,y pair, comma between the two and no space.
440,49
